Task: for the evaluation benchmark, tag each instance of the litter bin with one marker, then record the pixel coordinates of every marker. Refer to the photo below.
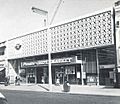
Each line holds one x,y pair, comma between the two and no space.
66,86
6,83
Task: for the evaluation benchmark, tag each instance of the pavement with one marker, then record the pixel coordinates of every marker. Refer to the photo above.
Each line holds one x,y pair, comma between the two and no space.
74,89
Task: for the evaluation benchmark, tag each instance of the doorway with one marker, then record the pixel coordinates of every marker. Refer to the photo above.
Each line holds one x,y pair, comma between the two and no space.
31,75
42,75
106,77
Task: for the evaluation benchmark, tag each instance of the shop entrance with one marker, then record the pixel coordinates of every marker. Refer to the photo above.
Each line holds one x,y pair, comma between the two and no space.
42,75
31,75
59,78
70,73
106,77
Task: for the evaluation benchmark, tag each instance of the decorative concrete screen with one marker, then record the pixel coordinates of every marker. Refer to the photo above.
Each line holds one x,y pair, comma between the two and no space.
91,31
28,45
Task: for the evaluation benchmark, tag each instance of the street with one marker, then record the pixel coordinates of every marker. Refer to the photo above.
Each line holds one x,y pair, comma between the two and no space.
31,97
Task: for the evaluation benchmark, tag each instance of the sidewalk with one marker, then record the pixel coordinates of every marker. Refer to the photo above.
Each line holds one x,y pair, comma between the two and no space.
74,89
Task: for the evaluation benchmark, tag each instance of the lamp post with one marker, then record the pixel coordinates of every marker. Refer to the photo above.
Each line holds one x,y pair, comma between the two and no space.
45,13
41,12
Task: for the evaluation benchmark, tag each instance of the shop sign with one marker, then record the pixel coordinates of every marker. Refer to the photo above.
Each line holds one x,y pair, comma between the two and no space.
107,66
63,60
34,63
45,62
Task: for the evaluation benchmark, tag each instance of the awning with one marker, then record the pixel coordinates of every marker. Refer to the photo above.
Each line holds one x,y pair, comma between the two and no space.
2,69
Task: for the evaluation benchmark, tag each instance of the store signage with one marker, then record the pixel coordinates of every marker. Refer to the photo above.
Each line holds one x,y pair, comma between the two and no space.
107,66
63,60
35,63
45,62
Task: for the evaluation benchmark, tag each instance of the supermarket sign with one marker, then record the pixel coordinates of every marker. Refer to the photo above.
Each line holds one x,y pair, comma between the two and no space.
45,62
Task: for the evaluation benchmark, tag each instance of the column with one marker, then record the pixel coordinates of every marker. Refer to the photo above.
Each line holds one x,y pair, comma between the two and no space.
97,61
35,76
82,74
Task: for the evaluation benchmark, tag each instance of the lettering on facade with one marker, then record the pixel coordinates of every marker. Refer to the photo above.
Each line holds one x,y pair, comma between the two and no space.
45,62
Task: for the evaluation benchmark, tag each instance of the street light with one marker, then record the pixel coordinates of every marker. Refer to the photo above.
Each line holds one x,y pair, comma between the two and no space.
43,12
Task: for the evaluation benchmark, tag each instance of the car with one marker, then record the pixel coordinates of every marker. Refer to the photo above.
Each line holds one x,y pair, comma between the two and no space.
3,100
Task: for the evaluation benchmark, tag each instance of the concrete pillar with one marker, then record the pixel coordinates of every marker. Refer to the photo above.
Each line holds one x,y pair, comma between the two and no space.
35,76
82,74
98,72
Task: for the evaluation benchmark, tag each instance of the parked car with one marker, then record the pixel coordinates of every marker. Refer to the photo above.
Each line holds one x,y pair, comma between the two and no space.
3,100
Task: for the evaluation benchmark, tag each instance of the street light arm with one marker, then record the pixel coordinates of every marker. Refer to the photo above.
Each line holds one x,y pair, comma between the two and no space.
39,11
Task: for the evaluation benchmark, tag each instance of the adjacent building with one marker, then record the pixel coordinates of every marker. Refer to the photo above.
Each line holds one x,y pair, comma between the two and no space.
3,62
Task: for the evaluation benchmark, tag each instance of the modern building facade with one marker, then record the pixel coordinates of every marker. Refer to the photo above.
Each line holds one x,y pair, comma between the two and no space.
83,51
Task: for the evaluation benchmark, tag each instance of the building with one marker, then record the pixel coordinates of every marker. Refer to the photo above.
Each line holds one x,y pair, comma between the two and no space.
3,62
83,51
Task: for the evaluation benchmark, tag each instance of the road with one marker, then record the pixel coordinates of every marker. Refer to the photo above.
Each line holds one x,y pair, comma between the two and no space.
30,97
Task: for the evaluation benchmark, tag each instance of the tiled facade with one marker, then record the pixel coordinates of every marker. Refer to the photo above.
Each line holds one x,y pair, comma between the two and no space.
91,31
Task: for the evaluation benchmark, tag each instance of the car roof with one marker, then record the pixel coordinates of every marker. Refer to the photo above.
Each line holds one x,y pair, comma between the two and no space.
2,96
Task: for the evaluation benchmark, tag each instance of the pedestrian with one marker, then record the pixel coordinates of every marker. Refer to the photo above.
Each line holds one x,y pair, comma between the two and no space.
43,81
58,81
16,80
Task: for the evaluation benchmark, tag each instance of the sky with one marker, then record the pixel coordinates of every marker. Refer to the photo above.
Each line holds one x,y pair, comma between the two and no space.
17,18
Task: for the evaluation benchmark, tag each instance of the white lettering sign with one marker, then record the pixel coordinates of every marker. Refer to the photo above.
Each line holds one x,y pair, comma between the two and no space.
43,62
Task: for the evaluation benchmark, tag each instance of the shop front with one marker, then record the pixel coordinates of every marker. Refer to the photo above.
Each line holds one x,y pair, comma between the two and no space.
2,71
107,75
70,73
34,72
31,75
62,69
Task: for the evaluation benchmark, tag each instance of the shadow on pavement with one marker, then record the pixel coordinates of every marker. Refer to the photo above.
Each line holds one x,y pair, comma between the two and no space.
109,87
43,87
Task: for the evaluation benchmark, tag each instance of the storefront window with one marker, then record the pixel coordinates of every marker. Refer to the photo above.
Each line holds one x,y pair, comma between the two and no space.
31,75
70,70
89,58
